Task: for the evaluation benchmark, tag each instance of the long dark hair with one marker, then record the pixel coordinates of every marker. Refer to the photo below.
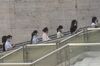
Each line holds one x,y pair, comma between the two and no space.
59,28
45,29
94,19
73,26
33,34
4,39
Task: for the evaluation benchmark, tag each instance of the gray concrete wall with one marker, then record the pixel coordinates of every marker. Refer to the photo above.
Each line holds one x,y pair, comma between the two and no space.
20,17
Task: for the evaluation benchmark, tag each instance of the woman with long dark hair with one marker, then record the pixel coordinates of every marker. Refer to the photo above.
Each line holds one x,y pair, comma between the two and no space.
73,26
34,37
8,44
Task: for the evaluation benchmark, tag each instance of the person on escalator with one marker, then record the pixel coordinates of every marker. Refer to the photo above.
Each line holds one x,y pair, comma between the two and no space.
45,36
4,38
34,37
73,27
59,31
8,44
94,23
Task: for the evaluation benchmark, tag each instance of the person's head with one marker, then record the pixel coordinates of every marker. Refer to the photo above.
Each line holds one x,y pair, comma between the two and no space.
94,19
35,32
9,38
74,23
60,27
45,30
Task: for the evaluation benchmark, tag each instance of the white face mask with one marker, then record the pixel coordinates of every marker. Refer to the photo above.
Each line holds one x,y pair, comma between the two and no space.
75,24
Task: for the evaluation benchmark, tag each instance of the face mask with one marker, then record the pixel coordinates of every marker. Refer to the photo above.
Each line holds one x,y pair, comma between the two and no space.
75,24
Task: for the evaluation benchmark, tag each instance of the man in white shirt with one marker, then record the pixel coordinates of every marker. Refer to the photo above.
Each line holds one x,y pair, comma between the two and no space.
45,34
8,44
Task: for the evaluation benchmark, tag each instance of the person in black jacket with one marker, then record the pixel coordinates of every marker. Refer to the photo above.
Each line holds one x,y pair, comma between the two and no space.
73,26
4,39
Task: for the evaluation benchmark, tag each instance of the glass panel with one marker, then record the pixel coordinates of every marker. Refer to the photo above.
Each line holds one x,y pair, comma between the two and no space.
59,58
94,36
50,61
82,55
14,57
28,54
3,53
72,55
35,52
75,39
85,37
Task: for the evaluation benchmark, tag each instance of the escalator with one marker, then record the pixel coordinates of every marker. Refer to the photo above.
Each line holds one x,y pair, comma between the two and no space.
83,41
53,37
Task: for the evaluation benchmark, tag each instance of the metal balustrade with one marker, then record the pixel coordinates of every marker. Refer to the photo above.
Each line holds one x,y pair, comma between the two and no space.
28,53
66,55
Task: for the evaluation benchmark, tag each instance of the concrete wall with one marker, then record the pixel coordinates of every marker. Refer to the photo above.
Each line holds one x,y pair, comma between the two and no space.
20,17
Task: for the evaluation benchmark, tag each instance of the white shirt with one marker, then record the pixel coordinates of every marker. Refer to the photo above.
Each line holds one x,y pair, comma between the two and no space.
8,45
35,40
93,25
45,37
59,34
